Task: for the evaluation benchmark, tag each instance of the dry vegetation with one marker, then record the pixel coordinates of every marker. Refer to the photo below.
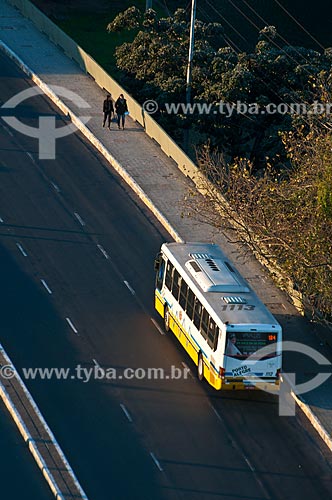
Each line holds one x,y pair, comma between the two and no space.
287,218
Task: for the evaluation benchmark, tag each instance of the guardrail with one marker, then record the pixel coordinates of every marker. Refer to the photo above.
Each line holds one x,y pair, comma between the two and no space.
104,80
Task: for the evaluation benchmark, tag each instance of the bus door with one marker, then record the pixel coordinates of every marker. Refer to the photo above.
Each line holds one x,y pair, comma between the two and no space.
159,267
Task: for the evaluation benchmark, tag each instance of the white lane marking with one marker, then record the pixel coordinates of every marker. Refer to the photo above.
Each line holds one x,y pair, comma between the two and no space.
186,367
251,467
21,249
46,286
126,412
132,291
96,363
79,218
217,414
31,157
156,461
1,220
103,251
157,326
57,189
70,323
238,448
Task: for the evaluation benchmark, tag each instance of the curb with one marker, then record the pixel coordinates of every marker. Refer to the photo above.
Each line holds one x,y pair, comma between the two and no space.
30,440
315,422
141,194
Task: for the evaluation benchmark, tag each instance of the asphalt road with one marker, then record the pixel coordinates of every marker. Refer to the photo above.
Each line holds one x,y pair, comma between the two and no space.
74,225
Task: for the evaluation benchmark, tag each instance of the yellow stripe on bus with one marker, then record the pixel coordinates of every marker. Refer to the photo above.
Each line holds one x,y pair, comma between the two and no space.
159,305
185,341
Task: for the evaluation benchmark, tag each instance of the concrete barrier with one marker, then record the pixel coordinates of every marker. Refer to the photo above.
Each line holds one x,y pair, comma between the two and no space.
28,438
14,414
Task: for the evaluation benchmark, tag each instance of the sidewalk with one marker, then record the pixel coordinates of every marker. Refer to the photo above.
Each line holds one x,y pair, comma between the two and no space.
162,182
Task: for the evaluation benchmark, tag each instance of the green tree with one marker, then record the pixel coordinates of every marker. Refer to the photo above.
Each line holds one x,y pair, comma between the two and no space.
154,66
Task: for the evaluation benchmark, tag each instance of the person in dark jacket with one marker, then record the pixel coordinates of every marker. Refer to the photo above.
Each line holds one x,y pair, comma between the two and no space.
108,110
121,110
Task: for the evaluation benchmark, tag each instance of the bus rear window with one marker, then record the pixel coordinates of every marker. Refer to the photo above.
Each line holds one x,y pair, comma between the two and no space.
243,344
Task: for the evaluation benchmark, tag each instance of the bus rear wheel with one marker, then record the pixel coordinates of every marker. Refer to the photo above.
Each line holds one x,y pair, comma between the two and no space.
167,319
200,367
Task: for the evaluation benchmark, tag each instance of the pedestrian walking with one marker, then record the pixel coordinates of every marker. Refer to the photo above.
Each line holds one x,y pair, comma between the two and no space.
108,110
121,109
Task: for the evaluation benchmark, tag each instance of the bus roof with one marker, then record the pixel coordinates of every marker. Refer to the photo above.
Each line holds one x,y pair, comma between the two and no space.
217,284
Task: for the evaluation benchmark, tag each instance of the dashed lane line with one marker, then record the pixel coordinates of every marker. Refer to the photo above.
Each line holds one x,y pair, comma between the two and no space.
157,326
21,249
70,323
132,291
103,251
43,282
126,412
79,218
56,187
156,461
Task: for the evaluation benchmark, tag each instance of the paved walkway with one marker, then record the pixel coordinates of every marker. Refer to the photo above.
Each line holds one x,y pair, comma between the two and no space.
166,186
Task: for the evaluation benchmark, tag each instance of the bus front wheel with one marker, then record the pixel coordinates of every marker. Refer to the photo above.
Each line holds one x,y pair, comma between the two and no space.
200,367
166,319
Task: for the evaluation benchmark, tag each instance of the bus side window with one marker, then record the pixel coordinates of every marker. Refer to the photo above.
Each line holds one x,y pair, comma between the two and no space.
197,314
169,275
205,323
190,304
212,335
176,285
183,294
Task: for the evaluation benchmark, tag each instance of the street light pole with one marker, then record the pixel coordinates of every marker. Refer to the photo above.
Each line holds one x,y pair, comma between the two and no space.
148,4
191,50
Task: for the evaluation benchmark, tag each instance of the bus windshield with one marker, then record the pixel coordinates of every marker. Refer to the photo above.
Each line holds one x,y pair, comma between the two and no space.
244,344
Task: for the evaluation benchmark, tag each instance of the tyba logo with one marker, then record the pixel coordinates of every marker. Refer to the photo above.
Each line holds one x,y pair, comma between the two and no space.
47,133
286,403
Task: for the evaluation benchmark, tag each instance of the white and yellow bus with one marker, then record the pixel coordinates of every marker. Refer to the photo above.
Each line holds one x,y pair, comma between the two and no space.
217,317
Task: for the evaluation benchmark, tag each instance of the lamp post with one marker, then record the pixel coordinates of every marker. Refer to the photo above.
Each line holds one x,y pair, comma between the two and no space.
148,4
189,72
191,50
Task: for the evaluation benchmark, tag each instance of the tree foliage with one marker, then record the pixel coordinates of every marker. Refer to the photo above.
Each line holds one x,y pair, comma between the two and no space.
154,67
285,219
267,177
